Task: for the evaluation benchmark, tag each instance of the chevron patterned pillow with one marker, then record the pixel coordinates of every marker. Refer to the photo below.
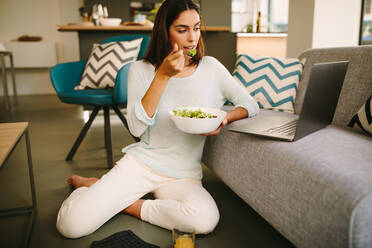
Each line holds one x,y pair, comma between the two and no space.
271,81
362,120
105,61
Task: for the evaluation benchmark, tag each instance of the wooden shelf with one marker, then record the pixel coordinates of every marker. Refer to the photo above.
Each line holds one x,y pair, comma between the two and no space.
70,28
26,52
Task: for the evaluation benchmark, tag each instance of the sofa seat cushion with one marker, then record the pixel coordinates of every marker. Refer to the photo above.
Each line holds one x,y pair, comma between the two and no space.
315,191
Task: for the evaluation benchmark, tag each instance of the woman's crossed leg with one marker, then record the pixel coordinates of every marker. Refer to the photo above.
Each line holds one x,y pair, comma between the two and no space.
94,202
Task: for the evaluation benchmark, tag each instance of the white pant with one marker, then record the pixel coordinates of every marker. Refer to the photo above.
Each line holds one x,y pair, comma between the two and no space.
177,201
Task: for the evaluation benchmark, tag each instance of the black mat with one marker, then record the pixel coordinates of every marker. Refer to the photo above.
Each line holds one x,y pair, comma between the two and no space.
124,239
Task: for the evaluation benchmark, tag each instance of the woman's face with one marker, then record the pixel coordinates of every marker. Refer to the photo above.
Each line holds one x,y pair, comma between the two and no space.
185,30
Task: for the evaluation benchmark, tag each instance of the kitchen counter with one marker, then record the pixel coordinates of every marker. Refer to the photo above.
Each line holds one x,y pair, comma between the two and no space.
269,35
263,44
215,38
69,28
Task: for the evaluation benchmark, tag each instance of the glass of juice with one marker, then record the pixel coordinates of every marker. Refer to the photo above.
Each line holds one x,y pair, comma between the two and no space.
183,236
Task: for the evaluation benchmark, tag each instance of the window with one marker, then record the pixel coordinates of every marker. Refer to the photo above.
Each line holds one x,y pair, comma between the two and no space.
365,37
367,9
278,16
272,15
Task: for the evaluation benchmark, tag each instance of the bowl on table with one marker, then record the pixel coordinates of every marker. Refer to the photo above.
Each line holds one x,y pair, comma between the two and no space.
189,123
110,21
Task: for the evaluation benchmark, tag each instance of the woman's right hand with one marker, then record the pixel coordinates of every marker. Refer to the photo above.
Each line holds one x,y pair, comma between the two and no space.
173,63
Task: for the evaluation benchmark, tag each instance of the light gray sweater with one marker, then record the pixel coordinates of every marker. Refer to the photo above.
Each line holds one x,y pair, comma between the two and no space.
164,148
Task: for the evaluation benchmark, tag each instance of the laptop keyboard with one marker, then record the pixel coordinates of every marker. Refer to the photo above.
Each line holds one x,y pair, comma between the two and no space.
287,129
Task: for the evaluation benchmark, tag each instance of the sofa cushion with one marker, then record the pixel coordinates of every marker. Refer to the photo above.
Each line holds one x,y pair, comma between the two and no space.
315,191
271,81
362,120
105,61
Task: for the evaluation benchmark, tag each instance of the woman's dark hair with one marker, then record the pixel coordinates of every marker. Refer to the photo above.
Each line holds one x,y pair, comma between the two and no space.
160,45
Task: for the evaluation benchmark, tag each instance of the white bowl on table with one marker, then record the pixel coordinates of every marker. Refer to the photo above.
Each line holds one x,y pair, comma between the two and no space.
110,21
198,125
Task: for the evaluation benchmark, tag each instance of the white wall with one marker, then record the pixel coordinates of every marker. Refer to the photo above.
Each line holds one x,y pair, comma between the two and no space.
69,42
322,23
39,18
336,23
300,26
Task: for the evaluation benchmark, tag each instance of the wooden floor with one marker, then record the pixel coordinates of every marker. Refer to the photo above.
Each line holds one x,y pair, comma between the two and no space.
53,128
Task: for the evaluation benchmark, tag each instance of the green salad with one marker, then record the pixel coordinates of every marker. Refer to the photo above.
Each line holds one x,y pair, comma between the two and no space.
191,53
192,113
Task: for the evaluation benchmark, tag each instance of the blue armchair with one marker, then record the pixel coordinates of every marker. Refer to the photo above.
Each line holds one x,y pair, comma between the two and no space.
66,76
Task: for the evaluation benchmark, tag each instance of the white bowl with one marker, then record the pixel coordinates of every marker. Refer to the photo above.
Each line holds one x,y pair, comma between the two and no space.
198,125
110,21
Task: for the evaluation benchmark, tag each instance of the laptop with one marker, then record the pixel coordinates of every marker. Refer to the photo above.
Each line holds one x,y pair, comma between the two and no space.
318,108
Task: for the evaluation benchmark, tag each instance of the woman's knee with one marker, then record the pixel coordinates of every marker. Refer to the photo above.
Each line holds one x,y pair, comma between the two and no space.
205,220
70,224
70,229
74,219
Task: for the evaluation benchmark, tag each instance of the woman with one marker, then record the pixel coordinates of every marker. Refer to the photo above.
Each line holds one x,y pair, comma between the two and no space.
166,161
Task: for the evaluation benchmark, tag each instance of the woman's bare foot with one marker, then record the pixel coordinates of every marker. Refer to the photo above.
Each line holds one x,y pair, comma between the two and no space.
135,208
78,181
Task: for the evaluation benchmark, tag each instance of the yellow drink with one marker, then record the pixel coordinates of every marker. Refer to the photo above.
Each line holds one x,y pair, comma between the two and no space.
184,241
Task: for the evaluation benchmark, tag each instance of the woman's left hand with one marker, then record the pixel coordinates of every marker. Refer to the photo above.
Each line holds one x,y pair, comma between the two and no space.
218,130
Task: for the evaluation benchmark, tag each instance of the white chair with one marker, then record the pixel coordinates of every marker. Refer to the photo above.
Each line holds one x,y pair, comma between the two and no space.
3,54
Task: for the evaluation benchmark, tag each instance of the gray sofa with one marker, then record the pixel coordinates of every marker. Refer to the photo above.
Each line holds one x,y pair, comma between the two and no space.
316,191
